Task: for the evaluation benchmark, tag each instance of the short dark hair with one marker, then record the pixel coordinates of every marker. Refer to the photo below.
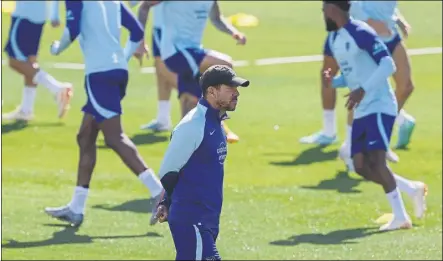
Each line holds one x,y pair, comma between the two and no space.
343,5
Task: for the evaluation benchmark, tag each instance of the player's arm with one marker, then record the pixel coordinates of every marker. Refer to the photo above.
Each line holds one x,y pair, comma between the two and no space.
72,29
402,23
184,141
54,13
220,22
136,32
143,11
223,25
330,67
378,51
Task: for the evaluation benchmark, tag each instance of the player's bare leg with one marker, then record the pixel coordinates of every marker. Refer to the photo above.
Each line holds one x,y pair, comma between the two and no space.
217,58
86,140
33,76
187,103
118,141
378,167
404,88
328,134
166,81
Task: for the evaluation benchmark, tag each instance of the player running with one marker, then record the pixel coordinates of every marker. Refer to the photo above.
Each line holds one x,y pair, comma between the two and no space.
181,48
193,168
166,80
98,23
383,16
366,64
27,22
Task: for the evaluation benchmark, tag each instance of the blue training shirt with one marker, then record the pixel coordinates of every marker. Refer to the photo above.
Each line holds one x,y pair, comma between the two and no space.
196,156
98,24
384,11
183,24
365,62
36,11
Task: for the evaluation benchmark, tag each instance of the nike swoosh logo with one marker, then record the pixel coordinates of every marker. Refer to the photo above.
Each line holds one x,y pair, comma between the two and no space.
212,132
372,142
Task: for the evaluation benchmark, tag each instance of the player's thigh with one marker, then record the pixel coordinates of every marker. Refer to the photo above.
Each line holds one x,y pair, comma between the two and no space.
165,77
104,91
213,57
379,131
402,75
24,39
194,242
88,132
358,138
186,64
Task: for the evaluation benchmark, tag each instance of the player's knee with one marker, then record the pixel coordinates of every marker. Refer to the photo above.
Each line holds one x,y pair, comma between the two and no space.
113,141
82,140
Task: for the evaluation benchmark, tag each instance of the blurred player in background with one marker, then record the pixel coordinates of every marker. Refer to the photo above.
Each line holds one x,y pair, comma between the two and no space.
98,23
365,62
181,49
28,20
383,16
166,80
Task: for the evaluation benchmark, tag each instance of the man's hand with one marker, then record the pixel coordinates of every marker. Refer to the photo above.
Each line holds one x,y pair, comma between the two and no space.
162,213
55,47
241,38
55,23
142,50
354,98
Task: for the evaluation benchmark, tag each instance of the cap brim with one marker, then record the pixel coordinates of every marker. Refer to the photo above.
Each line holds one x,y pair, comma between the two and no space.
239,82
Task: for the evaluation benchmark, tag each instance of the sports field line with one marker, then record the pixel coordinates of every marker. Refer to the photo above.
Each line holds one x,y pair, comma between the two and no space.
243,63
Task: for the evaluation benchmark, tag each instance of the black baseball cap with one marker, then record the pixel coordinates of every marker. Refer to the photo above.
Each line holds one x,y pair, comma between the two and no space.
221,74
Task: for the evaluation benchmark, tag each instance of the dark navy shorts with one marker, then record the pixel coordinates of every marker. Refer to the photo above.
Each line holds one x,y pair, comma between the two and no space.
105,90
393,43
24,39
186,64
156,38
194,242
372,132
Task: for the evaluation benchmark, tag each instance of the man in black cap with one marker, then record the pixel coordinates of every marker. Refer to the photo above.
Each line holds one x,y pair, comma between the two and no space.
193,168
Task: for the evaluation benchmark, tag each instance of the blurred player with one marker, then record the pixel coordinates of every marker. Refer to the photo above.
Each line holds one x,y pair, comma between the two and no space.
27,22
98,23
366,64
193,168
166,80
181,48
383,16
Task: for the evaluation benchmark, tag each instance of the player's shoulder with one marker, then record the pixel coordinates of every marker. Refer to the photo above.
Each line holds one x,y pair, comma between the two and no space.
193,122
358,27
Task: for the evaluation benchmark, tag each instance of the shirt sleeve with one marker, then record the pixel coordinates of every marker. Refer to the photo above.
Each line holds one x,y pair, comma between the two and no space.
368,41
73,20
135,29
327,47
54,14
185,139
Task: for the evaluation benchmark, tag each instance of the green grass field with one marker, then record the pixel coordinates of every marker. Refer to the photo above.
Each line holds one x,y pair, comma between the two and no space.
283,200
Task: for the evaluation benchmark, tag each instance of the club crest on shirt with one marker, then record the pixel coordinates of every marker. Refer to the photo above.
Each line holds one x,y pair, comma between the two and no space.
222,151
